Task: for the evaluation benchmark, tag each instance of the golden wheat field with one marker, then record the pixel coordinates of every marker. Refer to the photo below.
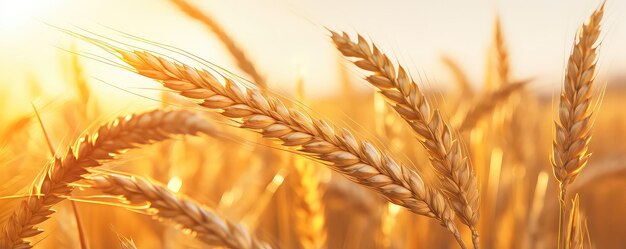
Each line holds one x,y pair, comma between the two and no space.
303,124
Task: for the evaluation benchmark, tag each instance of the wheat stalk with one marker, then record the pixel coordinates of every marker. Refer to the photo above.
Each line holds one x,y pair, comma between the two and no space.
205,223
355,158
110,139
460,77
242,60
573,127
447,158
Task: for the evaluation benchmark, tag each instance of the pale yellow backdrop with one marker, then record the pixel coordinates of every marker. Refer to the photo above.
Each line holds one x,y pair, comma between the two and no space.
286,38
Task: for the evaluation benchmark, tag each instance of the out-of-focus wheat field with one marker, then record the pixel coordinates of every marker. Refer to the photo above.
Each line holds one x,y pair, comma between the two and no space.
57,85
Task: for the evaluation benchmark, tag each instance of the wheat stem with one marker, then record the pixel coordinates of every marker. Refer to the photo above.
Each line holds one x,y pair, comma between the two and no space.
79,226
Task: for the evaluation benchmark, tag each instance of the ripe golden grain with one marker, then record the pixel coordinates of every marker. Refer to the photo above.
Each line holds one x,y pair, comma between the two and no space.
448,159
111,139
355,158
207,225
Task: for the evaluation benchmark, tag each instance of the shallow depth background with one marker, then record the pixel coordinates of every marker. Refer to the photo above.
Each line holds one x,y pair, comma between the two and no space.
288,43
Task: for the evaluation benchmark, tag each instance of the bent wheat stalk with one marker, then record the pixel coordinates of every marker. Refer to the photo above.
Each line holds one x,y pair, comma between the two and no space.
574,124
343,152
488,104
111,139
242,60
205,223
447,158
461,80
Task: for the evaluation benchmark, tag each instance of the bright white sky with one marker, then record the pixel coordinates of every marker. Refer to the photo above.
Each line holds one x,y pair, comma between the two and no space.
285,37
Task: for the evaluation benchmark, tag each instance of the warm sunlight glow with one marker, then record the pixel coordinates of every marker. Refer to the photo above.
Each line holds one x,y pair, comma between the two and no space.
393,209
312,124
276,181
13,13
175,184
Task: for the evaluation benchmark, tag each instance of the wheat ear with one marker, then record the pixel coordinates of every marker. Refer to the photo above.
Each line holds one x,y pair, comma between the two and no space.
487,104
343,152
204,222
242,60
307,206
573,127
502,54
448,159
110,139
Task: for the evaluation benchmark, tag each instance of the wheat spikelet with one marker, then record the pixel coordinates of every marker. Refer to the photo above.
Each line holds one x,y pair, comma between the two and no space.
574,236
242,60
308,207
345,153
447,157
573,128
205,223
488,104
502,54
126,243
110,139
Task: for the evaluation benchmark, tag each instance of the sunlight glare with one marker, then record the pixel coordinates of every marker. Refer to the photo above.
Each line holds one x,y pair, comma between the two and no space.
175,184
14,13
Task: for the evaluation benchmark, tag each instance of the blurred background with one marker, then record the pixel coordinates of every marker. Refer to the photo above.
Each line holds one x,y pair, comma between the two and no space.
441,43
287,38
